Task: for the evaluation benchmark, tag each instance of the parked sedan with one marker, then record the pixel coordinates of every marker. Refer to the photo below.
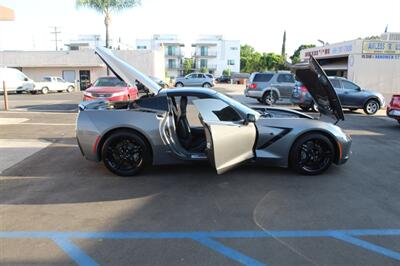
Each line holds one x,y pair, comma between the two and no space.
393,109
111,89
195,80
351,96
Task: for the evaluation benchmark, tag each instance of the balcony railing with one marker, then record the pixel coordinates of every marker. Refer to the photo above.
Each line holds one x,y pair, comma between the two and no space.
209,67
205,54
174,54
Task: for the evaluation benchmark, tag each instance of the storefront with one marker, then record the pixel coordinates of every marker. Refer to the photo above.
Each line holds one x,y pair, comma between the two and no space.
373,64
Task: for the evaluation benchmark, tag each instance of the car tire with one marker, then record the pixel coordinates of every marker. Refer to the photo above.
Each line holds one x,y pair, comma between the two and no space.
371,107
125,153
311,154
314,107
269,98
179,85
206,85
45,90
304,108
70,89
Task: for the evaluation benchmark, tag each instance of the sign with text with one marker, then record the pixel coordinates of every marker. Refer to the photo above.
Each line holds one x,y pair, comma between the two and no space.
381,47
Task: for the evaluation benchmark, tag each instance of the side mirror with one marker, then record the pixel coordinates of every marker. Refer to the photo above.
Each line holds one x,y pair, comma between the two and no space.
250,118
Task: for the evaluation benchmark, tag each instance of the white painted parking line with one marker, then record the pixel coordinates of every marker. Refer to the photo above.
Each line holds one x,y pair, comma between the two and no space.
13,151
12,121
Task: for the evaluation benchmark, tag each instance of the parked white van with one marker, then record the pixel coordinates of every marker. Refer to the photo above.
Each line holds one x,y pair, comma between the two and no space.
15,80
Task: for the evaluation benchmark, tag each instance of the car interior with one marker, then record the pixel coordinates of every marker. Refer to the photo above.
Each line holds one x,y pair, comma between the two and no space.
191,135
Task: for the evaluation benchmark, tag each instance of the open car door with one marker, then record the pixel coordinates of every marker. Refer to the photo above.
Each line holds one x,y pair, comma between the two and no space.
230,140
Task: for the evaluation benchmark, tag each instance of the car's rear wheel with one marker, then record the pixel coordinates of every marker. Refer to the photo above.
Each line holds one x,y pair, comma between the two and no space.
206,85
269,98
45,90
70,89
314,107
311,154
371,107
125,153
179,85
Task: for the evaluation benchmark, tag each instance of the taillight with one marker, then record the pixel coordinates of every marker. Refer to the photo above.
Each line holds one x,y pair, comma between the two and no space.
395,102
303,89
252,86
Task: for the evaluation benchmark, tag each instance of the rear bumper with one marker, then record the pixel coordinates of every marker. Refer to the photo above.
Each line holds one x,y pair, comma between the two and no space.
300,99
253,93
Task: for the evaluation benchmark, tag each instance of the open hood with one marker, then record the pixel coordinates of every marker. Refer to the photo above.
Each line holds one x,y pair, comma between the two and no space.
125,71
316,81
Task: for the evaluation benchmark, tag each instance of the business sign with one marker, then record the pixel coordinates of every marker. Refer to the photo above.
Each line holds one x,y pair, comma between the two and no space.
381,47
381,56
329,50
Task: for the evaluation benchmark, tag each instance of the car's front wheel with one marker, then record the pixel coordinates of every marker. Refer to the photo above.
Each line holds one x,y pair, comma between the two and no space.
125,153
179,85
70,89
371,107
304,108
311,154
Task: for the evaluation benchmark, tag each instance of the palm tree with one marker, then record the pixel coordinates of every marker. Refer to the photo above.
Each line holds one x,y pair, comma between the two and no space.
106,7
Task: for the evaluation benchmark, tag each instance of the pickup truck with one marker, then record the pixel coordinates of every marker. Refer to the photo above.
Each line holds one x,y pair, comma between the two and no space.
55,84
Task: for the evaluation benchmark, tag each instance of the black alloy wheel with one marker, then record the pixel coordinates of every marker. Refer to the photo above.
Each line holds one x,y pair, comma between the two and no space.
312,154
125,153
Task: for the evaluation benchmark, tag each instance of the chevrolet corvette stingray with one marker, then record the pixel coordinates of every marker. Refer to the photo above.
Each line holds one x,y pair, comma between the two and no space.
187,125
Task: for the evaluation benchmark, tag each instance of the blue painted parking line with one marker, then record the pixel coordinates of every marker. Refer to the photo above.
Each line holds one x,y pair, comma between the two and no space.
208,239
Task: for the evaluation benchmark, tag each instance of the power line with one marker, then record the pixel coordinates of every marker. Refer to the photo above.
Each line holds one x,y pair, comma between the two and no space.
56,32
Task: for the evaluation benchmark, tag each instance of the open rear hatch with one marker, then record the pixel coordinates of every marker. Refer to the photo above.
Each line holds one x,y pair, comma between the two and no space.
315,79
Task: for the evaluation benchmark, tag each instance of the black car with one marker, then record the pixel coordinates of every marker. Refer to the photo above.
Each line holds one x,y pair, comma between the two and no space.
223,79
351,96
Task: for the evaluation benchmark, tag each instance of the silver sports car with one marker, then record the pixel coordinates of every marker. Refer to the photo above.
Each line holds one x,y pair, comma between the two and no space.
185,125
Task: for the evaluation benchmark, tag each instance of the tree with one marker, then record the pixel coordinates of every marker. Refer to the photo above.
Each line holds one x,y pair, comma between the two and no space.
283,52
203,70
187,66
296,55
226,72
106,7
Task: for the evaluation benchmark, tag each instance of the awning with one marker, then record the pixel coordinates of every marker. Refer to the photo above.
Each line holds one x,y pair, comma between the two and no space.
6,13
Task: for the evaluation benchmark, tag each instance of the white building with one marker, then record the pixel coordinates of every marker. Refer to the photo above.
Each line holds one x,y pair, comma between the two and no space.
216,54
91,41
81,66
373,64
172,48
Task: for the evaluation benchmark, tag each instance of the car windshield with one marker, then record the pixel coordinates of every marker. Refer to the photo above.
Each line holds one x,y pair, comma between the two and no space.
237,105
109,82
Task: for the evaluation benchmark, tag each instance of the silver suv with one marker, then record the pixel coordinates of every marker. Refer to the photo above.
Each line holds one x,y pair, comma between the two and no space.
196,80
268,87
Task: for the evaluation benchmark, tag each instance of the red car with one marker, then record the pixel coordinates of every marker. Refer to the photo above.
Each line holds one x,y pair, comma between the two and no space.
393,109
111,89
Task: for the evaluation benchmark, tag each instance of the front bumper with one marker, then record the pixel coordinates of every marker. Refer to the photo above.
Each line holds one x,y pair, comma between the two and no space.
344,149
110,99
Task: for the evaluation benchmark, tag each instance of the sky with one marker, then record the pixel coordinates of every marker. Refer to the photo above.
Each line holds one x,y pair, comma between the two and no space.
259,23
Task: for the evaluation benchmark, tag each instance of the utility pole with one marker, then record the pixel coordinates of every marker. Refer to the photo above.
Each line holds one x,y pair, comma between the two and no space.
56,32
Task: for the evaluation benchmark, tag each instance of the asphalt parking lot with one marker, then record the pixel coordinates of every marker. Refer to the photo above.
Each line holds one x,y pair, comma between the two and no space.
58,208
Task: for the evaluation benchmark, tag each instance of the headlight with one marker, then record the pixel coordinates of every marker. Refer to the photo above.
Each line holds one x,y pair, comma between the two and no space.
86,93
121,93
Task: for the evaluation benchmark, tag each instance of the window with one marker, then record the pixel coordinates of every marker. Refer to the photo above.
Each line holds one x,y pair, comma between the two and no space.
46,79
203,63
286,78
69,75
200,76
109,82
234,48
227,114
209,76
21,76
171,63
263,77
335,83
60,80
191,76
349,85
203,50
171,50
231,62
141,47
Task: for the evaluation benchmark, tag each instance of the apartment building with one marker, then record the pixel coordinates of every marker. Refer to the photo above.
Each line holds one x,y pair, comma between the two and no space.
215,54
172,48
